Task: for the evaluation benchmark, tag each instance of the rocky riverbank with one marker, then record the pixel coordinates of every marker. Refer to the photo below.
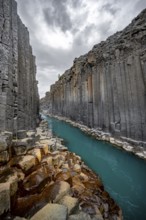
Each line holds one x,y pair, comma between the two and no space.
100,135
41,179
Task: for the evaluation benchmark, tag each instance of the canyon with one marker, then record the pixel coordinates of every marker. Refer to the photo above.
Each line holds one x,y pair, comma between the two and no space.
105,89
103,94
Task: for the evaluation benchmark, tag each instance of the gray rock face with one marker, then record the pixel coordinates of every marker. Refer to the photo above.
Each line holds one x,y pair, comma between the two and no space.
106,88
18,85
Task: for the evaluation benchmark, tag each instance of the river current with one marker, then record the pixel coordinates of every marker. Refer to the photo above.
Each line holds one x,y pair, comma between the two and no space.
123,174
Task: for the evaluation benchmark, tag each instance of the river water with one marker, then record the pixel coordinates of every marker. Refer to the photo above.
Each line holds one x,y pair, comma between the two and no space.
123,174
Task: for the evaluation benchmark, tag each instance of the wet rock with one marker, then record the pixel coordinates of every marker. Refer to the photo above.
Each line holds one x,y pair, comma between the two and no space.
4,197
70,202
51,212
26,162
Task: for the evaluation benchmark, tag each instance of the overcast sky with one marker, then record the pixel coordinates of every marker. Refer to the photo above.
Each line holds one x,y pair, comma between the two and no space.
61,30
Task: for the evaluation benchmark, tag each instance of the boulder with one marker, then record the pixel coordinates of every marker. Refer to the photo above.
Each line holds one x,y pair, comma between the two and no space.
70,202
65,166
37,180
84,177
51,212
59,190
77,168
44,149
26,162
48,160
112,140
36,153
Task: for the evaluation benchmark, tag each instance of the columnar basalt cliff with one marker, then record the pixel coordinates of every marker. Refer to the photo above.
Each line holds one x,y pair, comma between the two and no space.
18,85
106,88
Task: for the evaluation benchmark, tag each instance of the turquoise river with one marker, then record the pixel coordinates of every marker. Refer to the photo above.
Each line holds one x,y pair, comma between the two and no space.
123,174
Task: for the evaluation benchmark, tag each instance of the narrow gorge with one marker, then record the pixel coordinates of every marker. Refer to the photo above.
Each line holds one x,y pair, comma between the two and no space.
105,89
79,153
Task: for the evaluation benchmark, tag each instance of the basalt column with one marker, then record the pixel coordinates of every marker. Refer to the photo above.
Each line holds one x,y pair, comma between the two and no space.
106,88
18,85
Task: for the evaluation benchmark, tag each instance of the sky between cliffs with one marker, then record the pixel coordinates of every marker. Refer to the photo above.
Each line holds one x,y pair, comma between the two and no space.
61,30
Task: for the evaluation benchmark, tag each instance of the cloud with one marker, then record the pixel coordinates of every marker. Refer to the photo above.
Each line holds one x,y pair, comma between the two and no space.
56,15
61,30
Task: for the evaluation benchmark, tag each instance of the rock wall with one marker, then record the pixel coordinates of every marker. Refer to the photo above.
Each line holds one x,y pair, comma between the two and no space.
106,88
45,105
19,103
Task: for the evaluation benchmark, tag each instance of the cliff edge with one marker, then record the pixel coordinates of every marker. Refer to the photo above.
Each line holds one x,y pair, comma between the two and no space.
105,89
